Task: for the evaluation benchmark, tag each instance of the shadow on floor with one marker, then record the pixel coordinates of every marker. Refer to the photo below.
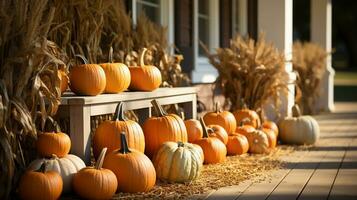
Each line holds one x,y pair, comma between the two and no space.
337,116
334,148
326,136
321,165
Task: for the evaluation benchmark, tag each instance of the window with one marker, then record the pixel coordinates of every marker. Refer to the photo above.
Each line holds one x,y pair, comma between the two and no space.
203,25
206,29
151,8
159,11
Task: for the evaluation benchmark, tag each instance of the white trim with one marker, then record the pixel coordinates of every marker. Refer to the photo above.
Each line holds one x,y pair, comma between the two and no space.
134,11
242,17
204,72
275,19
321,33
168,19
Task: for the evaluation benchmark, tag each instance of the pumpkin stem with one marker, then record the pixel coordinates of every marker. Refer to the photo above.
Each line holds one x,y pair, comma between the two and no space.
119,112
244,121
204,128
42,168
85,61
99,163
296,111
180,144
182,115
124,144
110,56
142,57
50,125
217,110
158,108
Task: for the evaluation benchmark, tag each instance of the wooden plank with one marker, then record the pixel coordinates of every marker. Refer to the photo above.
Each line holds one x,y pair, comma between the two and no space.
246,187
320,184
70,98
230,192
191,108
291,186
107,108
261,190
345,185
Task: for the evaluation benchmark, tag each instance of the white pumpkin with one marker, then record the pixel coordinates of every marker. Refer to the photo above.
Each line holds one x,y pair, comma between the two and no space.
178,162
299,129
258,142
66,168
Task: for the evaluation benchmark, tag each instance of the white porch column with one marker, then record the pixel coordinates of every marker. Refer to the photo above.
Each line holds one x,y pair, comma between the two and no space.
275,19
321,33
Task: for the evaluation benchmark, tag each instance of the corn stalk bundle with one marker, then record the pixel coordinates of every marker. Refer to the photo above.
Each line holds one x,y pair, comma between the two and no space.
309,62
29,85
92,27
252,71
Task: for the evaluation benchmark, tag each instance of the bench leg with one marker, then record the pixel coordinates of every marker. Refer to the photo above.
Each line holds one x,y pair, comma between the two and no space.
191,108
80,132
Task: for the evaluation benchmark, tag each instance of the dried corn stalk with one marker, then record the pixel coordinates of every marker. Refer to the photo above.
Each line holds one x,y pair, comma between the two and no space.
29,86
250,70
309,61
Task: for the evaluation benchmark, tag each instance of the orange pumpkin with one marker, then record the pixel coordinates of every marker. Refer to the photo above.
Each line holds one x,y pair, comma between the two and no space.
134,171
244,129
87,79
272,126
57,143
163,128
213,149
95,182
258,142
40,184
218,132
237,144
271,137
144,77
64,80
223,118
117,75
53,141
253,117
107,133
194,130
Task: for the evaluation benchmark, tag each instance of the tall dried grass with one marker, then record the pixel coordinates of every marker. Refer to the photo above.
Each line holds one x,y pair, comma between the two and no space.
309,61
29,86
92,27
250,70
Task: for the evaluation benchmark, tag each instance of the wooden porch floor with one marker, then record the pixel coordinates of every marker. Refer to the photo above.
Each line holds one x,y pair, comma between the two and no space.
326,171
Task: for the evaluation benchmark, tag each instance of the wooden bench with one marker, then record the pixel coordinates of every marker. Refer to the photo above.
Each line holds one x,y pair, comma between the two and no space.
79,110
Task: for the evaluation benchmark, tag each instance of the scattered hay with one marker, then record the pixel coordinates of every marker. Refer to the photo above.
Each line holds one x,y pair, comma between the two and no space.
232,172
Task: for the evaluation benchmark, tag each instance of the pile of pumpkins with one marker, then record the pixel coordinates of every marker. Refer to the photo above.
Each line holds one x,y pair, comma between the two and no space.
166,147
95,79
